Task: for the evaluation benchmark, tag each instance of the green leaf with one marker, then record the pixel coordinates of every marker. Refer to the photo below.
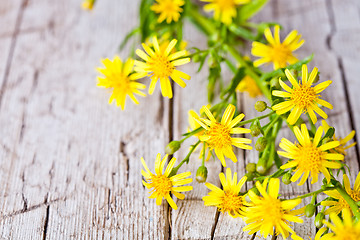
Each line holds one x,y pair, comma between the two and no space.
242,32
128,36
250,9
240,74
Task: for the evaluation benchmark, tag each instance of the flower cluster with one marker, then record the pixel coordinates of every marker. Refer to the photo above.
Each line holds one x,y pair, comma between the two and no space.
294,101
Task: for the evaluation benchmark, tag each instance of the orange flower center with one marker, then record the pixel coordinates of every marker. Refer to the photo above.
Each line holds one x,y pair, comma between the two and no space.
232,203
347,233
310,158
280,54
161,66
304,96
219,136
161,184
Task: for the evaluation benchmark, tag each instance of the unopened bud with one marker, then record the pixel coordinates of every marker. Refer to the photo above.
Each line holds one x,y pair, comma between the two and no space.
172,147
196,58
255,130
274,82
201,174
310,210
286,178
249,176
260,144
251,167
319,220
260,106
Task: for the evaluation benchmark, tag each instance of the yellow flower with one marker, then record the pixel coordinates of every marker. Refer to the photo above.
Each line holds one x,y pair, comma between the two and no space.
168,9
163,184
345,229
88,4
195,125
302,97
224,10
160,65
218,134
308,157
266,212
119,77
343,141
227,199
247,84
280,54
339,204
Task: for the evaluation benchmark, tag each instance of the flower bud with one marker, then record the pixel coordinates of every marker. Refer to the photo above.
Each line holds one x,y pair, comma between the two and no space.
310,210
251,167
260,106
255,130
172,147
260,144
319,220
274,82
201,174
196,58
249,176
286,178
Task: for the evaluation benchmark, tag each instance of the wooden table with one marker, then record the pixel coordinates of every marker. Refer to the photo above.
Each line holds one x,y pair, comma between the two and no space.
70,163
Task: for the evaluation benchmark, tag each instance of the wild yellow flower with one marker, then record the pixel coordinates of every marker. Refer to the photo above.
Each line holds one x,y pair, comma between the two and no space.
308,157
279,53
224,10
163,184
227,199
118,76
168,9
218,134
195,125
247,84
266,212
88,4
345,229
343,141
160,65
302,97
339,203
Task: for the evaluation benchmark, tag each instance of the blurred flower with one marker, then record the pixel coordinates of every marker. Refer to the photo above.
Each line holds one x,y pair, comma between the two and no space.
168,9
88,4
302,97
163,184
247,84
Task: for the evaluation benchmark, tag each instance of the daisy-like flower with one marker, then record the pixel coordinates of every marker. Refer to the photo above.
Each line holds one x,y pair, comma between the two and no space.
118,76
280,54
218,134
345,229
160,65
339,203
224,10
195,125
249,85
168,9
302,97
308,157
229,199
343,141
88,4
162,184
266,212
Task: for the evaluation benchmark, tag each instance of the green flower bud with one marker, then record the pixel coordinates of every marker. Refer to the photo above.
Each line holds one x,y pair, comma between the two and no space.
196,58
310,210
172,147
255,130
251,167
201,174
260,144
260,106
319,220
274,82
249,176
286,178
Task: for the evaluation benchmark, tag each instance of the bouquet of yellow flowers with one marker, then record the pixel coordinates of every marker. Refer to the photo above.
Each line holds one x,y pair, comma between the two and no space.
292,99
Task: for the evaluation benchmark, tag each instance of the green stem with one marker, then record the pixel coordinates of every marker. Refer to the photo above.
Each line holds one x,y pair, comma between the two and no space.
348,199
271,124
314,193
202,22
240,59
186,159
253,119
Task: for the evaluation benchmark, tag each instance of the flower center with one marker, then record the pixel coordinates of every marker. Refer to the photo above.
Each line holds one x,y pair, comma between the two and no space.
225,4
354,195
280,54
161,184
271,210
232,203
161,66
219,136
303,96
121,82
348,233
310,158
170,7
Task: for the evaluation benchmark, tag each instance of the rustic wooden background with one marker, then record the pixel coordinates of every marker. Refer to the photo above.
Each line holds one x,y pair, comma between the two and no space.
70,164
